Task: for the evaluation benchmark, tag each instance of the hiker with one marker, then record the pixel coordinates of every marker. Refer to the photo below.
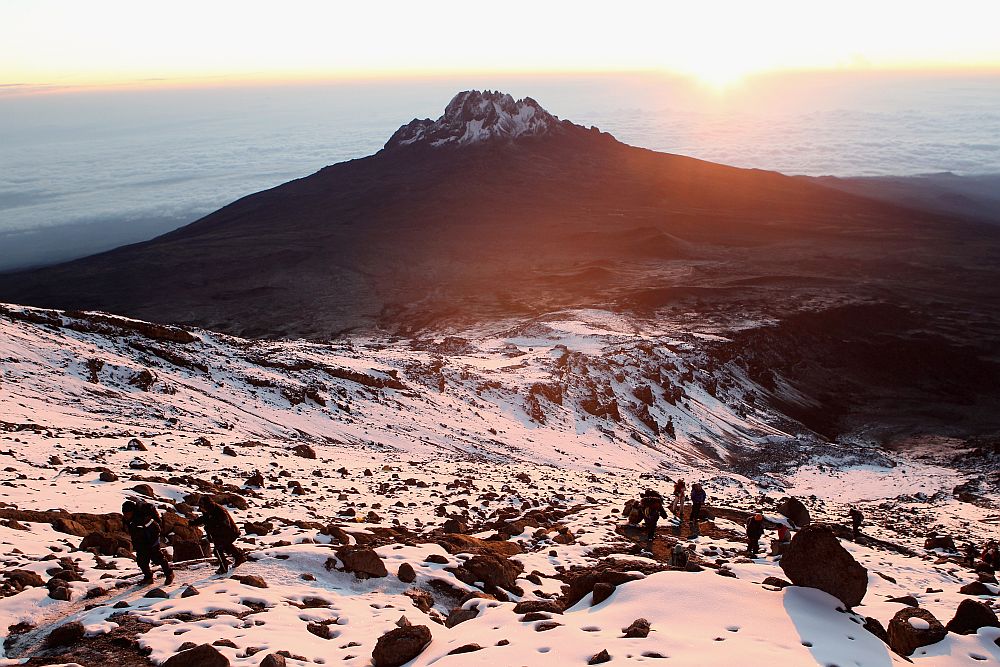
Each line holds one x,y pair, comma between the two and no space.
222,532
779,545
698,498
971,553
755,530
677,504
991,556
856,518
679,556
652,511
143,524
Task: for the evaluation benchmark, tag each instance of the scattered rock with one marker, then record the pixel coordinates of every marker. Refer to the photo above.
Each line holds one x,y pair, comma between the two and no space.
975,588
794,511
465,648
600,658
250,580
362,561
204,655
970,616
305,451
912,628
66,634
406,573
602,591
401,645
639,629
273,660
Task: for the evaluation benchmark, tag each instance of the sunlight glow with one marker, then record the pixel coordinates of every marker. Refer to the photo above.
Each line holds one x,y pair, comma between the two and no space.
53,43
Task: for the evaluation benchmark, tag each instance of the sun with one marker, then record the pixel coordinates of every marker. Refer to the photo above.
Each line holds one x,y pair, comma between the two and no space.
718,73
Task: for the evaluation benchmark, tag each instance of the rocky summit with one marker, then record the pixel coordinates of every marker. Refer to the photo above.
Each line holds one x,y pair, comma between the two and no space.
476,117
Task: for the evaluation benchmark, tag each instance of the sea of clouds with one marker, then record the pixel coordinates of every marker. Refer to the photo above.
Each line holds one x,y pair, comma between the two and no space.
83,172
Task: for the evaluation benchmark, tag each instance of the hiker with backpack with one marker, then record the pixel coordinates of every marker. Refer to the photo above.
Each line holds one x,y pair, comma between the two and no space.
698,498
142,522
652,511
222,532
856,519
755,530
677,504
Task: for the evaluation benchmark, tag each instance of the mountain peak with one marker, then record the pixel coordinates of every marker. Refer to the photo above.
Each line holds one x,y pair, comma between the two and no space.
475,116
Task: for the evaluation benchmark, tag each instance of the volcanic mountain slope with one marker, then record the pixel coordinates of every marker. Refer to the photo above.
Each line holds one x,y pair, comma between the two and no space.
465,484
498,208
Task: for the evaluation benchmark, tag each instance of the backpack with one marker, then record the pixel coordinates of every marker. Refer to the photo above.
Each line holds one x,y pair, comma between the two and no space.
652,506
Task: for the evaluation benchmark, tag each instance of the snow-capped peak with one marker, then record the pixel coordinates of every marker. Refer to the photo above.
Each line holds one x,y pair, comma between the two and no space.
473,117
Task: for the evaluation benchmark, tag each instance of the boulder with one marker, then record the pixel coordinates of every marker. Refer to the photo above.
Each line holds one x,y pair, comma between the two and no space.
362,561
528,606
602,591
454,526
273,660
912,628
970,616
455,543
25,578
600,658
188,550
975,588
204,655
874,626
494,571
816,559
935,541
794,511
638,630
305,451
406,573
108,476
399,646
66,634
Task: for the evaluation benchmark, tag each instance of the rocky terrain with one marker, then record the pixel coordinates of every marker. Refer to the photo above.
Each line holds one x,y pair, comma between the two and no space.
457,500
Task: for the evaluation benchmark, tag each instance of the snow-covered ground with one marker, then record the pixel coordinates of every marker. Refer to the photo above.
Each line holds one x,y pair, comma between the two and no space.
539,429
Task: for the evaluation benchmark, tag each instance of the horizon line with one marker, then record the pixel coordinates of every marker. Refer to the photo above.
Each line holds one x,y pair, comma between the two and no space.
251,80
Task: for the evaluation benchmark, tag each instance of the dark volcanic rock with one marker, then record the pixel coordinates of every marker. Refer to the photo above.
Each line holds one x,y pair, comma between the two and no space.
362,561
905,636
204,655
815,558
66,634
794,511
401,645
970,616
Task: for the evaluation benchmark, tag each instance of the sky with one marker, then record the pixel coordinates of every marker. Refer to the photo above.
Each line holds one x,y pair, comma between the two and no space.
121,120
57,44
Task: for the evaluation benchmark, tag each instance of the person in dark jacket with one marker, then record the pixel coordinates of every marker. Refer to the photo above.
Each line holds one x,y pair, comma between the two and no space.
856,519
222,532
143,525
652,512
755,530
698,498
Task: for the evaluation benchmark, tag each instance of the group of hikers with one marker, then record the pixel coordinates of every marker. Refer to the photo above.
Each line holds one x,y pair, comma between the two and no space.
145,527
649,509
